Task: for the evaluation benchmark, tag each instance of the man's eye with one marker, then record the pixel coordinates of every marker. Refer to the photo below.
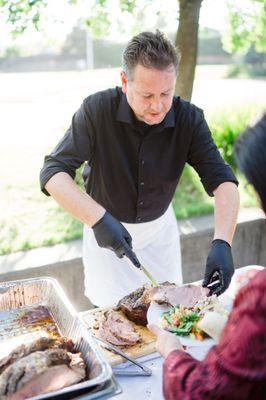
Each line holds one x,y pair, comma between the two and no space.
147,97
165,94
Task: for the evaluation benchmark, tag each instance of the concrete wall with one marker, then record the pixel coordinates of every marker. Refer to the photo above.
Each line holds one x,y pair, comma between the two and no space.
248,249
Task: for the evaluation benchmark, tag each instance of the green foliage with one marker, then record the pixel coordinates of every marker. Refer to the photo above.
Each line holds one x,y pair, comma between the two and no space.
226,126
190,199
127,5
26,227
12,51
99,20
234,71
247,26
22,14
246,70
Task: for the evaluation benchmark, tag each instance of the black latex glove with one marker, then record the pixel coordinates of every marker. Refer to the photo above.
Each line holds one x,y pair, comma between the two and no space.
219,263
112,235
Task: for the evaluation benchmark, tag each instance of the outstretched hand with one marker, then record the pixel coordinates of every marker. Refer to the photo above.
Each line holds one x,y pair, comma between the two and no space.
166,341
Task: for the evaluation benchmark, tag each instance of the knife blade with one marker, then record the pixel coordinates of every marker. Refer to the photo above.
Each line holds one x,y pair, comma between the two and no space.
149,276
134,259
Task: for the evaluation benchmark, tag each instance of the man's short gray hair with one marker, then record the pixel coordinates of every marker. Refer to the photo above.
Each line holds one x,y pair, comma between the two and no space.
151,50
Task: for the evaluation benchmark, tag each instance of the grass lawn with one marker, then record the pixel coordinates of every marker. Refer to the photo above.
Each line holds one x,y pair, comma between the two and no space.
34,220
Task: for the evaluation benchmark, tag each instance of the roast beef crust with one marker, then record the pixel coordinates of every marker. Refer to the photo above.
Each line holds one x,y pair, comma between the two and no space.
135,305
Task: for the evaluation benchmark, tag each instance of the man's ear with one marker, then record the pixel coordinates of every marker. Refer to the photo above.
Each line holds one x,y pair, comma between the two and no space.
123,81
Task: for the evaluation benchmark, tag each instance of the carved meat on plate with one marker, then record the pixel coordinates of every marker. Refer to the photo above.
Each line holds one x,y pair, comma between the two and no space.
135,305
187,295
117,330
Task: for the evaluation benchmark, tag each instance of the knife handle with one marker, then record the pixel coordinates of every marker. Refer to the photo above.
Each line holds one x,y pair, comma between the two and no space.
133,258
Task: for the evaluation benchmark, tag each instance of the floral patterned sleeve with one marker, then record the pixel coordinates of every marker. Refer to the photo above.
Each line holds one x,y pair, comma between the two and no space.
236,367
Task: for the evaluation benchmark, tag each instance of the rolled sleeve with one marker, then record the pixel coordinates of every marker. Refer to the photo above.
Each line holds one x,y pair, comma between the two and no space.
205,158
72,151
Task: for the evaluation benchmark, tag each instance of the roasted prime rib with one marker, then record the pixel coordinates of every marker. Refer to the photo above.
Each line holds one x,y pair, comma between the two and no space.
117,330
136,304
27,371
40,344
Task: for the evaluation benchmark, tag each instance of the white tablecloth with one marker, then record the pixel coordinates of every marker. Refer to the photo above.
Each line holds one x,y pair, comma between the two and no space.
149,387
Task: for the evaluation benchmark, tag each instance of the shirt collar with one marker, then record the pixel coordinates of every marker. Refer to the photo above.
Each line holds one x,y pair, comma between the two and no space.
125,114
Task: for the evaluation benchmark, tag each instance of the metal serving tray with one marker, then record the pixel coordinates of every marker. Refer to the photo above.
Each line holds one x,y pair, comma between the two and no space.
21,296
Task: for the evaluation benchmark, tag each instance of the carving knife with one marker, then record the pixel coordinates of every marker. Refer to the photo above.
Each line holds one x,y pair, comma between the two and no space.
133,258
149,276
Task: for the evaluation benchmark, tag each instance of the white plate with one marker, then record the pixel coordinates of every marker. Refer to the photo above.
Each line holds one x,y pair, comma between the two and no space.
154,317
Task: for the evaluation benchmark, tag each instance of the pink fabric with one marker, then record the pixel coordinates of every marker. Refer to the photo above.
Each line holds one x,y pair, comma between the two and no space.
236,367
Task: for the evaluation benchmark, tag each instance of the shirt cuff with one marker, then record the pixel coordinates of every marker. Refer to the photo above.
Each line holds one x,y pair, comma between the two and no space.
46,174
215,185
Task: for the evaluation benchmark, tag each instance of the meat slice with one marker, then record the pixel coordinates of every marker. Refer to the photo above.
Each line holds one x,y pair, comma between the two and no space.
136,304
53,378
117,330
187,295
40,344
29,375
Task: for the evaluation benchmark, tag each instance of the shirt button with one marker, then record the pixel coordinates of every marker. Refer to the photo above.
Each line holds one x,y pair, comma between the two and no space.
142,162
139,219
141,203
141,183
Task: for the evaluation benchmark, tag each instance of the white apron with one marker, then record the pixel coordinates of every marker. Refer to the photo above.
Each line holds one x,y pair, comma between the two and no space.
157,246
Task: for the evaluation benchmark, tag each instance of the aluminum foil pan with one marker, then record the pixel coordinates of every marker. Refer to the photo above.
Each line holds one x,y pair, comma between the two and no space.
19,297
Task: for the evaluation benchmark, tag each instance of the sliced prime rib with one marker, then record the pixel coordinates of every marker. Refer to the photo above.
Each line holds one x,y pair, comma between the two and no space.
187,295
53,378
117,330
40,344
135,305
41,372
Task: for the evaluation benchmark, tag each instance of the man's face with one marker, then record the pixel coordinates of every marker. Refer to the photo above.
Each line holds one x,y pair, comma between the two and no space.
149,92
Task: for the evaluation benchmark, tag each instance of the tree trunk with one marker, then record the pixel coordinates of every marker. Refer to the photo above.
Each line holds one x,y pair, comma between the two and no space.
187,44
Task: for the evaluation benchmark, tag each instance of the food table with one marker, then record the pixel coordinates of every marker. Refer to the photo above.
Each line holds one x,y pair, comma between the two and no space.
150,387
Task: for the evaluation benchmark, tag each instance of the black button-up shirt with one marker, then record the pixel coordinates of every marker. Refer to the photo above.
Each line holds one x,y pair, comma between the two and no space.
134,167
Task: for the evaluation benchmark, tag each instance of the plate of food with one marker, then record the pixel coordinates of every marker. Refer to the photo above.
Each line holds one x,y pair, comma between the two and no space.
189,313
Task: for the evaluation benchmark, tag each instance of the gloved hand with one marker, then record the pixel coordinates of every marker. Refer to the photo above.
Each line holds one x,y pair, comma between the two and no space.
219,262
112,235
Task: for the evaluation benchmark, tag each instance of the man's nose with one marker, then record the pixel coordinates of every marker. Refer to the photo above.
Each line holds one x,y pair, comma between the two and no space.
156,105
